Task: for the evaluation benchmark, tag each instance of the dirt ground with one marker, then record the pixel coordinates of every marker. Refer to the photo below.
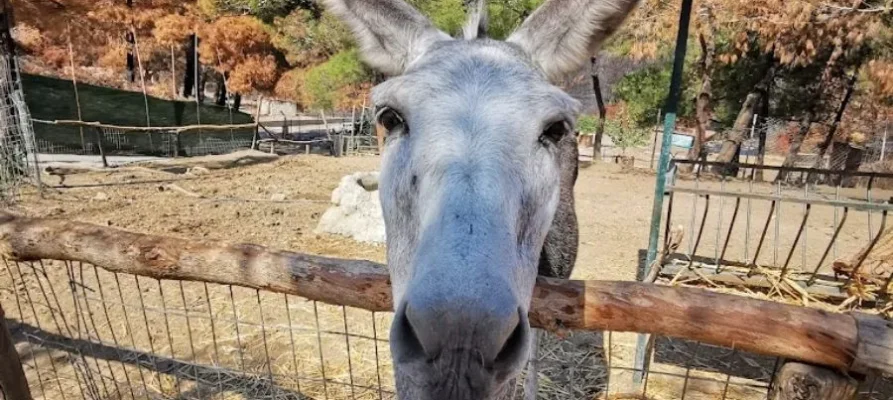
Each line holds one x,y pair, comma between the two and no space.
279,204
613,208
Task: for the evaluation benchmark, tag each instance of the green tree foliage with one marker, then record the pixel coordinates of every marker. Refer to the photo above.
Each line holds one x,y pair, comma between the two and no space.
448,15
266,10
306,39
645,92
587,124
625,133
506,16
325,84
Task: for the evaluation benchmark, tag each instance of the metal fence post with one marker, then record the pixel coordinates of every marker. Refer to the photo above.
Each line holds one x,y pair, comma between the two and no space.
13,384
662,165
654,142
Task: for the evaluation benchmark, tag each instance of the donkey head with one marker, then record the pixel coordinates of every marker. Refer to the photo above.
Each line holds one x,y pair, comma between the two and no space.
478,141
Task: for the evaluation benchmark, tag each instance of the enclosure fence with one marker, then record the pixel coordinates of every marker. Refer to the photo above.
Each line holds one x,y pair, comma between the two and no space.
18,163
124,320
820,244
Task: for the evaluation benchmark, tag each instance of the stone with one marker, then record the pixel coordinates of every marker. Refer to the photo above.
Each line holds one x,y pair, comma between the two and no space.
101,196
356,210
278,197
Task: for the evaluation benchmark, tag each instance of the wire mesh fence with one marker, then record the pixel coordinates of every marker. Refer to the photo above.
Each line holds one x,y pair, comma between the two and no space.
86,333
17,149
116,140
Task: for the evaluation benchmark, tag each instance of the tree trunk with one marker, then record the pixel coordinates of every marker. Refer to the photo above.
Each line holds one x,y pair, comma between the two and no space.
237,101
838,116
731,147
763,132
220,91
797,381
705,95
796,143
602,113
131,42
809,116
13,385
189,71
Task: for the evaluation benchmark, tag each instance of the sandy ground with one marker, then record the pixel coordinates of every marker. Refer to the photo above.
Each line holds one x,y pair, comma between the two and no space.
614,210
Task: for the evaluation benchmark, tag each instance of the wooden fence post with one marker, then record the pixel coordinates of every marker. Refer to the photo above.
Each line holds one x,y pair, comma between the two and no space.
256,137
798,381
105,162
13,385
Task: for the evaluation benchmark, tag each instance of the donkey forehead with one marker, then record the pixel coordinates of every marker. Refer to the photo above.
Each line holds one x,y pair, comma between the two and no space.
476,74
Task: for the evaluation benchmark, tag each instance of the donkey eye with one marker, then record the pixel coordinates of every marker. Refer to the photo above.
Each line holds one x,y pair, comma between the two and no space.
390,119
554,132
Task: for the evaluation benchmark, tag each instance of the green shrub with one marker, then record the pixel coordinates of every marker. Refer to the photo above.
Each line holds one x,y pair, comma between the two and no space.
324,82
626,134
587,124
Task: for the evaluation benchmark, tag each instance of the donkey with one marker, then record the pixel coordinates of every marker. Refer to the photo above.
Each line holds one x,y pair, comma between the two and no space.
476,181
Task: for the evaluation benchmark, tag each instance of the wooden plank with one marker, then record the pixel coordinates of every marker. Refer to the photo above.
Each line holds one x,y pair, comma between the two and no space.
13,384
758,326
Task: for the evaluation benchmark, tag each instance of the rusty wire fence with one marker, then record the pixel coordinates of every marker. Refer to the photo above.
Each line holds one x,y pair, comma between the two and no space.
819,241
87,333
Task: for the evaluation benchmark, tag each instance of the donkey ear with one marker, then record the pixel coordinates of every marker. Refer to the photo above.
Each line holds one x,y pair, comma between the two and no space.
391,33
563,34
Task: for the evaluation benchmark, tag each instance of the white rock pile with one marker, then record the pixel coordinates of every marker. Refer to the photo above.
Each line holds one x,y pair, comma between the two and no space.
355,210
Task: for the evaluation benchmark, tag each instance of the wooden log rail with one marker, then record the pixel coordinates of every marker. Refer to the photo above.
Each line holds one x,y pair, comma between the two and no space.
846,342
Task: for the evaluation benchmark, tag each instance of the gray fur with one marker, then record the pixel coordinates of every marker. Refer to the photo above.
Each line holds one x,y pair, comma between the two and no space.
477,200
561,35
560,248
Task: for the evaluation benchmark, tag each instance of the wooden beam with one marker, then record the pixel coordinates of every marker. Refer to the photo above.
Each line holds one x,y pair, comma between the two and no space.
839,341
13,384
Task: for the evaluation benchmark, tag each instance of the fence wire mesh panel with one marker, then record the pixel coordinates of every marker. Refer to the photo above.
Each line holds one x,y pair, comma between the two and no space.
17,151
87,333
135,141
820,243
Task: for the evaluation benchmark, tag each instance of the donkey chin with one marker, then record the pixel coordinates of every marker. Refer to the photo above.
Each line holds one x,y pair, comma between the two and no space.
462,372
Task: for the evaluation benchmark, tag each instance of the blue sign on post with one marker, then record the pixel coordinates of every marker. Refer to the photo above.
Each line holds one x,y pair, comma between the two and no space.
682,141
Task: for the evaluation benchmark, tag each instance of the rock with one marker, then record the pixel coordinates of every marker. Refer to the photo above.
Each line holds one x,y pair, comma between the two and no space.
355,210
199,170
369,182
278,197
101,196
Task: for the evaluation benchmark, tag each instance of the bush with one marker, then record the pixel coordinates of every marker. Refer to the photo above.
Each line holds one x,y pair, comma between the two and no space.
625,134
324,83
587,124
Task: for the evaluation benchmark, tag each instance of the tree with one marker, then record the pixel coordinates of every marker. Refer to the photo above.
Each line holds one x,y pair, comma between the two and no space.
703,99
602,112
731,147
334,83
240,49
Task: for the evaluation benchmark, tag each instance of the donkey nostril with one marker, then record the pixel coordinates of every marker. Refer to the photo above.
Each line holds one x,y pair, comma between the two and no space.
407,337
513,349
